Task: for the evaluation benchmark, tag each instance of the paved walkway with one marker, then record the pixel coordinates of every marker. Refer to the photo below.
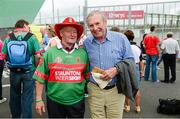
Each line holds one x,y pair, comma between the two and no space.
151,92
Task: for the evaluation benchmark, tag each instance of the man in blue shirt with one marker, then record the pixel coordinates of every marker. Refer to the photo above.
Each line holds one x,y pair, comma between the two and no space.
105,49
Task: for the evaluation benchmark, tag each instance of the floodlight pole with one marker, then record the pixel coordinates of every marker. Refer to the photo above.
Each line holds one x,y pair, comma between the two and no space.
53,11
129,17
85,14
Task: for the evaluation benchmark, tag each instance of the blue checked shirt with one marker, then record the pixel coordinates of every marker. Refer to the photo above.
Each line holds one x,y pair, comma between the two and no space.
106,54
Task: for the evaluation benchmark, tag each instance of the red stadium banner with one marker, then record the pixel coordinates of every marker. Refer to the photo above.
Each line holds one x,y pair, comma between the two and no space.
135,14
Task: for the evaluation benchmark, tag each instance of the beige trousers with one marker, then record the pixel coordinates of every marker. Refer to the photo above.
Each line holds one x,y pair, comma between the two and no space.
105,103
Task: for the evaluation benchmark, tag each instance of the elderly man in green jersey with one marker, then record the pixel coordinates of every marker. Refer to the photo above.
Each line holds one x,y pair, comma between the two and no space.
63,70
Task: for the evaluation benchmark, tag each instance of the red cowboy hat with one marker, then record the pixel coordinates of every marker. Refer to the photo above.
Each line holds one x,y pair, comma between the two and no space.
69,21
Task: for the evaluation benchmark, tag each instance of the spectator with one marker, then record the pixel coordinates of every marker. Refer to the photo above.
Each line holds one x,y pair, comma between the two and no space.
161,56
137,54
45,38
151,43
171,50
2,99
82,38
53,39
63,70
143,58
116,29
105,49
22,85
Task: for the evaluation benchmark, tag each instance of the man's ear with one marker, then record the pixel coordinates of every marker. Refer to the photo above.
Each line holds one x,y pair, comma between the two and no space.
61,32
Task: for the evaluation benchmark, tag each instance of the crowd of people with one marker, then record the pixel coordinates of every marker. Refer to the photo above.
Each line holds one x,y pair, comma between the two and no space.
62,65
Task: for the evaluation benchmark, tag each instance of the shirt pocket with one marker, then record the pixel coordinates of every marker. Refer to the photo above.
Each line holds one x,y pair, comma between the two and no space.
115,55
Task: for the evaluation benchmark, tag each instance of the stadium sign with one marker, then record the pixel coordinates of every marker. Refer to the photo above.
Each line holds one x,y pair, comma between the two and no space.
135,14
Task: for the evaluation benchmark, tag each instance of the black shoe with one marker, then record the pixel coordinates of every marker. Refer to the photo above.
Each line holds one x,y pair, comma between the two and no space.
171,81
165,81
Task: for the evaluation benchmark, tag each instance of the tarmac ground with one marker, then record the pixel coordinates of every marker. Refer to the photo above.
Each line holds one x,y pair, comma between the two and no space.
150,94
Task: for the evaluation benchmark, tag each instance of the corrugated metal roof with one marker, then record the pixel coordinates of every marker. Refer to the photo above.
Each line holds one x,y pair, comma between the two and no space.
13,10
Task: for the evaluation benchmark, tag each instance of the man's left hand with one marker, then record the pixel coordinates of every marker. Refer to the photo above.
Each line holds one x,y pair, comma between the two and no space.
109,73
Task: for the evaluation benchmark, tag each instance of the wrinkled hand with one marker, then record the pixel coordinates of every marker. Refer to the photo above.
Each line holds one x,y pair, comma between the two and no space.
109,74
40,108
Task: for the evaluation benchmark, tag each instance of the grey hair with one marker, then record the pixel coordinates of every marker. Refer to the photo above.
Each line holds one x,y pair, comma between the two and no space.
96,12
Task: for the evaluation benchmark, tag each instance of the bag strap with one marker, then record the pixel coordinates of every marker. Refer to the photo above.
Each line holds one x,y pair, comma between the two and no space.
27,36
12,36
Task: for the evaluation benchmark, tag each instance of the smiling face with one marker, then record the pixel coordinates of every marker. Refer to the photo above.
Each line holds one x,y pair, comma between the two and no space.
69,35
97,26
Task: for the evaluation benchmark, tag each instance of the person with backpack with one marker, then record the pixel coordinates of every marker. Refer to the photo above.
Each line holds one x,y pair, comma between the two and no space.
21,51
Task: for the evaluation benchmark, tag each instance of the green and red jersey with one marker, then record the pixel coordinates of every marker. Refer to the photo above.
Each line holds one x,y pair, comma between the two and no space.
65,74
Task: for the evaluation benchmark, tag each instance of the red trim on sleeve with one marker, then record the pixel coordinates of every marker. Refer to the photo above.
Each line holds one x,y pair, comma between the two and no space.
41,75
87,75
2,56
39,52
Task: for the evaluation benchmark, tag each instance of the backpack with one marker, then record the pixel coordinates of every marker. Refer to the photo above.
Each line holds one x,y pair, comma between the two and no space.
169,106
18,54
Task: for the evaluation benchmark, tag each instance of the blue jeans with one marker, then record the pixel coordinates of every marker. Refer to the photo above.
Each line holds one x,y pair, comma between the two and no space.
151,59
21,94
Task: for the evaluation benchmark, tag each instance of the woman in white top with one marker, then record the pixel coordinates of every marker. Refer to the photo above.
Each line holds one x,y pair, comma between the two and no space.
54,40
137,53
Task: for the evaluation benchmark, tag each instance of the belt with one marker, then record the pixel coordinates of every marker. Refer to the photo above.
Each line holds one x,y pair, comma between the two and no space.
19,70
109,87
106,88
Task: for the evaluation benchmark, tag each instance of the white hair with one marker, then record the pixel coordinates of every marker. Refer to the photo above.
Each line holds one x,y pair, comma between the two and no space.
96,12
